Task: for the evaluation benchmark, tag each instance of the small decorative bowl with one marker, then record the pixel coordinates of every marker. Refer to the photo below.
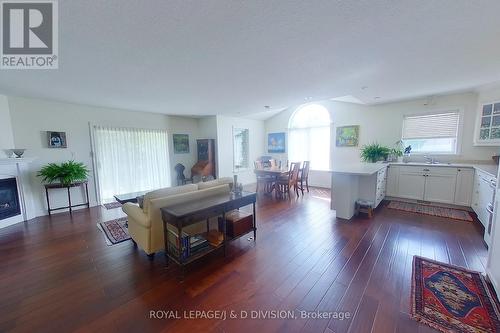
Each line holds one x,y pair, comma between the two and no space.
18,152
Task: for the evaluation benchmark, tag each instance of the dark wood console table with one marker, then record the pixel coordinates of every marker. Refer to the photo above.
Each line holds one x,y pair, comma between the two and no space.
68,187
182,215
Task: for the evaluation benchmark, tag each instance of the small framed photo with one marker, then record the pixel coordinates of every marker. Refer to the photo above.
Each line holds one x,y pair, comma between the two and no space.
57,139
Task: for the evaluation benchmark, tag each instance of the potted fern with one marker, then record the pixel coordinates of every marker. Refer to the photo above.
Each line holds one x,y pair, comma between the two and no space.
65,173
374,152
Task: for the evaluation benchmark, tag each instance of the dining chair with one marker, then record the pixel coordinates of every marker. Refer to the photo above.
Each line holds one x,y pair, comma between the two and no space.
263,180
285,184
304,176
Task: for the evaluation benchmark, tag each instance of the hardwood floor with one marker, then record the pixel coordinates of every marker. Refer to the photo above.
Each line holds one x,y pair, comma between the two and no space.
58,275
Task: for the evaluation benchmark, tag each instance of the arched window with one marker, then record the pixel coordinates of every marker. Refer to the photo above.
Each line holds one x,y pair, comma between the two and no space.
309,136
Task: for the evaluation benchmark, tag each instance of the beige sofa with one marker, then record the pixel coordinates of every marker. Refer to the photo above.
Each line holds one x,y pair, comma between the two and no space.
145,225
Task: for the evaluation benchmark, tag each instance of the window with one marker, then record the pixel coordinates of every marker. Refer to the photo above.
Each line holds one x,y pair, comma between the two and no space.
432,133
241,149
130,160
309,136
490,122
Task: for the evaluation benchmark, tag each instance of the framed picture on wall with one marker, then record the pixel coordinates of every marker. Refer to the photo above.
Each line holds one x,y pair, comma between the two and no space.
347,136
181,144
276,143
56,139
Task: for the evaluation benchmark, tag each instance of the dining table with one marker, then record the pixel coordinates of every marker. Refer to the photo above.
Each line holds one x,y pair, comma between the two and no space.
273,173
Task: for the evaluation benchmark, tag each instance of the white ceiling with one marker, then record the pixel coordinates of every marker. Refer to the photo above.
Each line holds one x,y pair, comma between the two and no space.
233,57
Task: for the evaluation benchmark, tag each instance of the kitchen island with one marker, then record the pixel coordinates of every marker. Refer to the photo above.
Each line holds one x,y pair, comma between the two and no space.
442,183
350,182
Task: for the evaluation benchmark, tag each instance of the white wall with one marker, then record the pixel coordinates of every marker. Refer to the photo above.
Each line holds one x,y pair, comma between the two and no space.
207,127
383,123
225,145
6,136
31,118
182,125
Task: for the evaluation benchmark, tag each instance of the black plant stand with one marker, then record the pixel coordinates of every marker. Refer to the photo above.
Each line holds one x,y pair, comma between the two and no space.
68,187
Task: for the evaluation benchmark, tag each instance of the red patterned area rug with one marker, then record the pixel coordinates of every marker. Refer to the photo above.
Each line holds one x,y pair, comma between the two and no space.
451,213
453,299
115,231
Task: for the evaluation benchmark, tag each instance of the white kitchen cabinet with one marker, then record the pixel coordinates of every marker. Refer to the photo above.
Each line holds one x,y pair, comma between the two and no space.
373,188
381,189
463,190
482,195
475,193
440,183
411,184
392,180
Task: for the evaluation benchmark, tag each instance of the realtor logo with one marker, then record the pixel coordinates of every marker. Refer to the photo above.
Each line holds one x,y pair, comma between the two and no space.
29,34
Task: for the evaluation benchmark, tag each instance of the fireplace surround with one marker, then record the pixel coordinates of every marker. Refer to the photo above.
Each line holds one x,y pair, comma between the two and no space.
16,170
9,198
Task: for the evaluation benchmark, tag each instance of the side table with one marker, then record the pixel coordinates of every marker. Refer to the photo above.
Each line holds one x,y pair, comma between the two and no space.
68,187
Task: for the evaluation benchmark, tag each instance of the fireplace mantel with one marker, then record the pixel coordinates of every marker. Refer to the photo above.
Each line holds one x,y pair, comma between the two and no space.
13,160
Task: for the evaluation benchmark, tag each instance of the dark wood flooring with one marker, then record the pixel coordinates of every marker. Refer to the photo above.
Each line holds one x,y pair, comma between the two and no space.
58,275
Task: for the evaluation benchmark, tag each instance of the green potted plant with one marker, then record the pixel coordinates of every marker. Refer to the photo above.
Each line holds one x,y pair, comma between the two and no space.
374,152
65,173
397,151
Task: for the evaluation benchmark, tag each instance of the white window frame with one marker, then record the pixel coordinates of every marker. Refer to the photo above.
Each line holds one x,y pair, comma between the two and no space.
242,169
477,128
459,110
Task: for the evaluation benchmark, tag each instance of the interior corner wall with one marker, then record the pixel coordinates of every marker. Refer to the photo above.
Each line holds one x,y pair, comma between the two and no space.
6,135
31,118
256,134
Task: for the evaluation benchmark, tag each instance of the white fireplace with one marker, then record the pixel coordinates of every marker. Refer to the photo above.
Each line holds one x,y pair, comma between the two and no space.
18,168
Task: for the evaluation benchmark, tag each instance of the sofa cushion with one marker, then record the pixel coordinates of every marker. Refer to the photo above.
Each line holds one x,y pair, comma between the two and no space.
215,182
165,192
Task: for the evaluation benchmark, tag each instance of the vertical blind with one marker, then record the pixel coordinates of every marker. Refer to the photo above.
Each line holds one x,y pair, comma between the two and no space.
442,125
130,160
